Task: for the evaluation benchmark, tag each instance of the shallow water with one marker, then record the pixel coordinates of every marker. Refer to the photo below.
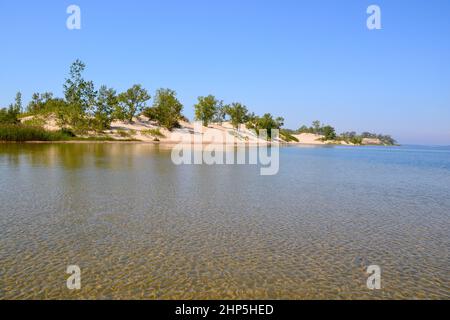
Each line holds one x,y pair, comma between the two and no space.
140,227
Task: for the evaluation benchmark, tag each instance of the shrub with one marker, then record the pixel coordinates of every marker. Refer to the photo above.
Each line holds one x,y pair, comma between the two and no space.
9,116
123,133
356,140
288,137
34,122
329,133
154,133
266,122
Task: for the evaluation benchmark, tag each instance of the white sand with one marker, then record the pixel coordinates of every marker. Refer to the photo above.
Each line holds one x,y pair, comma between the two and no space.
215,133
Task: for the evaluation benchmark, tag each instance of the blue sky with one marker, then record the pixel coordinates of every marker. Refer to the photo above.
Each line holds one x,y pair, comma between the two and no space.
303,60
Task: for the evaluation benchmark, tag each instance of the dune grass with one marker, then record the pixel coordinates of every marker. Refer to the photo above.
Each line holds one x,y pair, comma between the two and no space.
22,133
154,133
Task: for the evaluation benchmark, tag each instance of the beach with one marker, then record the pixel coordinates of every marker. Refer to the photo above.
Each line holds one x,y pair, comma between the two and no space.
142,130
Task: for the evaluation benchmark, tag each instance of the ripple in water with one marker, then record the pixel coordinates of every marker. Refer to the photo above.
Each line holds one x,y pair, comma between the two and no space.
140,227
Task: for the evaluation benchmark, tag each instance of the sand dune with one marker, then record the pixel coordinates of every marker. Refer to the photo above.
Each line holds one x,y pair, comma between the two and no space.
144,130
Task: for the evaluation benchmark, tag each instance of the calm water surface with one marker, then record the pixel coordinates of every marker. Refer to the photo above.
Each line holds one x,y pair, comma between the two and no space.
141,227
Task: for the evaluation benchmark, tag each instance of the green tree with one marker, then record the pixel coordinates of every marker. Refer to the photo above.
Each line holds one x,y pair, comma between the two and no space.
80,97
387,140
206,108
39,102
220,115
266,122
329,133
35,103
107,103
356,140
132,102
79,92
166,109
238,114
316,125
18,103
9,116
305,129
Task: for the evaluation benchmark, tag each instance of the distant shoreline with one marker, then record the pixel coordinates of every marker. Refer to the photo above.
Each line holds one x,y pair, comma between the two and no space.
172,143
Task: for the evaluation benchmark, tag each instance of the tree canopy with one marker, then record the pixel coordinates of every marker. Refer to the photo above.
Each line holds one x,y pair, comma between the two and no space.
107,104
166,109
132,102
84,108
206,108
238,114
266,122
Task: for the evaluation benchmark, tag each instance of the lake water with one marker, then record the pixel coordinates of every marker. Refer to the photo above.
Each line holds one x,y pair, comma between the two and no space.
140,227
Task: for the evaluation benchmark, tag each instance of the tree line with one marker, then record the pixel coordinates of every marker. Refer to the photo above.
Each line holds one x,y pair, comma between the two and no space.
329,134
85,108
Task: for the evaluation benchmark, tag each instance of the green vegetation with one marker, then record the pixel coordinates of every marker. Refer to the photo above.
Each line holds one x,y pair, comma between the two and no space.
80,100
287,136
266,122
40,103
132,102
220,115
21,133
86,111
107,104
329,134
36,121
351,137
166,109
48,106
9,116
354,138
17,106
123,133
238,135
238,114
207,108
25,133
156,133
318,128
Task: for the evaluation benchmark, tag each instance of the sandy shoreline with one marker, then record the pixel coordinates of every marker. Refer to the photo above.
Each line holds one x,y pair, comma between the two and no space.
173,143
144,131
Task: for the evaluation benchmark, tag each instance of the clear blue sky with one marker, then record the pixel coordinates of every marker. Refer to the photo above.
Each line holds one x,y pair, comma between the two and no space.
303,60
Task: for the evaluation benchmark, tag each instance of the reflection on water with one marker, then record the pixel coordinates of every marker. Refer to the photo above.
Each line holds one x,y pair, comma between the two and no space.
140,227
